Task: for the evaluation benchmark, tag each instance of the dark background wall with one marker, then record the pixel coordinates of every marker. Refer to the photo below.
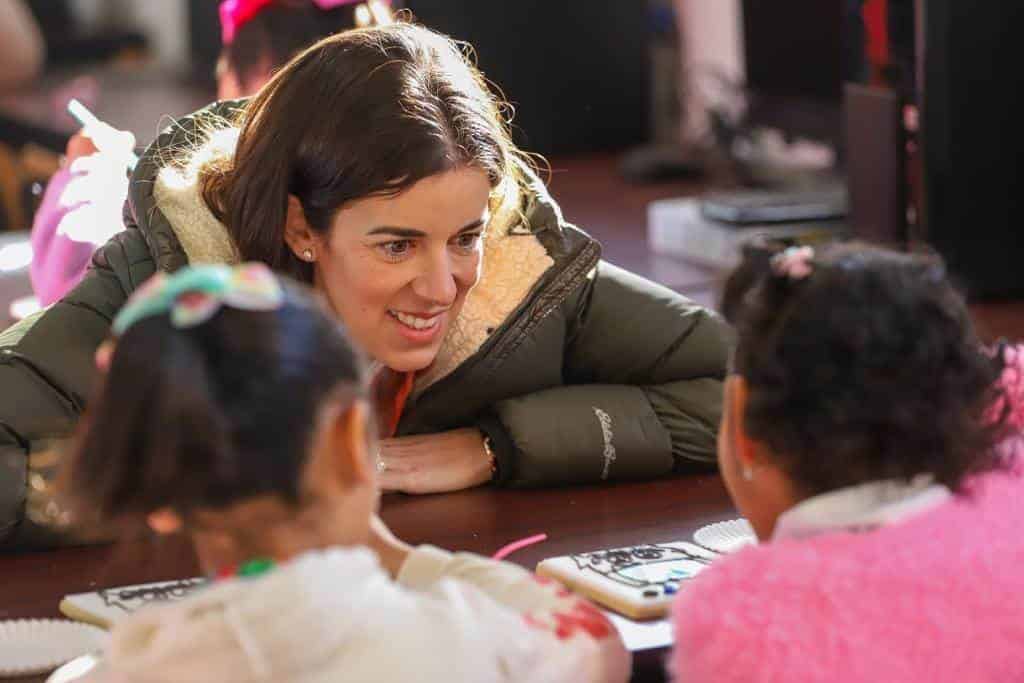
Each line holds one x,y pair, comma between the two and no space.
576,70
974,142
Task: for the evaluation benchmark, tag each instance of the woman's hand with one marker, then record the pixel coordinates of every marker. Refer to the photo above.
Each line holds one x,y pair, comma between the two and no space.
391,551
433,463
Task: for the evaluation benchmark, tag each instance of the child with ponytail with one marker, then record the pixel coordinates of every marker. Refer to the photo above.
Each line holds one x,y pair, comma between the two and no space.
234,409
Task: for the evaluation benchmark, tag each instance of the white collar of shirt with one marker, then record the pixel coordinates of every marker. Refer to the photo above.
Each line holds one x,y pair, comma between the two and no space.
861,507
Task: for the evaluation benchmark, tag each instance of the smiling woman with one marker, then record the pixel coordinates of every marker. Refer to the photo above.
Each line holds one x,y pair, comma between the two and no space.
398,287
377,168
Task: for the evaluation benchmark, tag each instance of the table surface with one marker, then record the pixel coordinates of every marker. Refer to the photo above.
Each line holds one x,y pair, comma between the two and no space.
576,519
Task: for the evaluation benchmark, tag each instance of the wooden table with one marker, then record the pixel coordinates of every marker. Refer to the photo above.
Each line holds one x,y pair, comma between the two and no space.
576,519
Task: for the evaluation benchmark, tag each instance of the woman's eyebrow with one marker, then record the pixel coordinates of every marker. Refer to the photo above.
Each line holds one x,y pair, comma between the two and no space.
404,233
410,233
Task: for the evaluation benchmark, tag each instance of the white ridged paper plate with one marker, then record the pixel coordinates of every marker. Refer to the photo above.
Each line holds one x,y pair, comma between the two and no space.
36,646
726,537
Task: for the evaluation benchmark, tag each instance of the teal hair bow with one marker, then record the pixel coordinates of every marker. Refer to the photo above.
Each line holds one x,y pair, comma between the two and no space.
193,295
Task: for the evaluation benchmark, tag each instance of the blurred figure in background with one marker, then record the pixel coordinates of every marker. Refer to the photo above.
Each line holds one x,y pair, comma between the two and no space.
259,36
22,51
81,208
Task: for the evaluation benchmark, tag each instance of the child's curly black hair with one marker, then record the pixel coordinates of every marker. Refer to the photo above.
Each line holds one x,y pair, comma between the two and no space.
868,368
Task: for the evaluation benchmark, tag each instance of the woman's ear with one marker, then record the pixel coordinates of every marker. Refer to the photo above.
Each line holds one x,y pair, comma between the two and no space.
297,233
164,521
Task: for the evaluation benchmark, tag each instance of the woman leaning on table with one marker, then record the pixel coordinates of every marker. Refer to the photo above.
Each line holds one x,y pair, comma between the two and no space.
377,168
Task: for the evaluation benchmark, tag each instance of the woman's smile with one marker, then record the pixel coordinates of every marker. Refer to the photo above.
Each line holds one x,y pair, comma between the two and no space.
419,328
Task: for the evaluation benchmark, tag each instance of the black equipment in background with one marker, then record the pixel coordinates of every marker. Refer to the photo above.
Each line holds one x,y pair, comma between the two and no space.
973,141
797,58
876,164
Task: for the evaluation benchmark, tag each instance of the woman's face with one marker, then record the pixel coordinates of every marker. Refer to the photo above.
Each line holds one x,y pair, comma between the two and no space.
397,269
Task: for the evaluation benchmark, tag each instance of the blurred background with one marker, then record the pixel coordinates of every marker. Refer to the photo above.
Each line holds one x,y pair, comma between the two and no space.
678,132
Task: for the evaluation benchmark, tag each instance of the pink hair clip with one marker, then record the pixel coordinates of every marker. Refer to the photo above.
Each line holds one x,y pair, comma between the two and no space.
331,4
793,263
236,13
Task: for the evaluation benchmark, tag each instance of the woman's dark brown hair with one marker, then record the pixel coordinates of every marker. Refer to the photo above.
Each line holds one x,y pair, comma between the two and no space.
362,113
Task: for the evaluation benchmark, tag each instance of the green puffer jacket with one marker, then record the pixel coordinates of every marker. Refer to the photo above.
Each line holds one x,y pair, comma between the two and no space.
578,370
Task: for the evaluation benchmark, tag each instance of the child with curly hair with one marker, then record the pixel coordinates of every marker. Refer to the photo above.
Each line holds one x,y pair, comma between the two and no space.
865,438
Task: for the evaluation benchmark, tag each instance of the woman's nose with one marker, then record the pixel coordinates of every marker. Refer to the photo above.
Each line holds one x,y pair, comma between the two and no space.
438,281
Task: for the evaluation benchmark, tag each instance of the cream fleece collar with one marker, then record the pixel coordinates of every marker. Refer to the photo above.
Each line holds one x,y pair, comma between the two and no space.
857,508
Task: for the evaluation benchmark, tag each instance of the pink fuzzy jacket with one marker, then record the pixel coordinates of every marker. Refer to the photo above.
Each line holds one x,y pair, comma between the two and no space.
938,597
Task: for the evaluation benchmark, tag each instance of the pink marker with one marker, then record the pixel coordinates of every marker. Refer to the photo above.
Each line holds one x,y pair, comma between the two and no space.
507,550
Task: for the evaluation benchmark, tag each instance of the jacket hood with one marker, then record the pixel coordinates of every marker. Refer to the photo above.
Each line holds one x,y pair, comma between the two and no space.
160,182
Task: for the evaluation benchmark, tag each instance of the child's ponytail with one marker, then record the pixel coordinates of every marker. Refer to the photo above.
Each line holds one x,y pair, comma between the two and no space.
156,433
217,381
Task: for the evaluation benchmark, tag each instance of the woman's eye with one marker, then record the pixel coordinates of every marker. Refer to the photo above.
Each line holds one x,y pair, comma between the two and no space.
396,249
468,241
